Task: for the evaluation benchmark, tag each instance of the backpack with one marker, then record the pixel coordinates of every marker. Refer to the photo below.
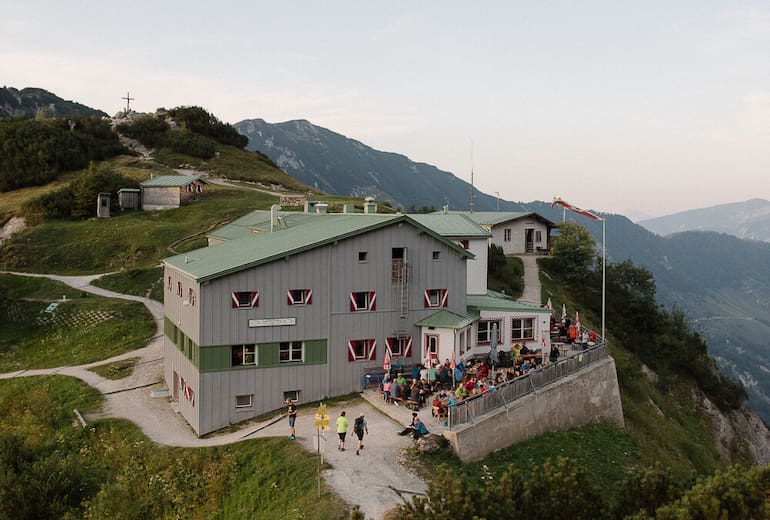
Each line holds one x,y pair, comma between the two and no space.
359,424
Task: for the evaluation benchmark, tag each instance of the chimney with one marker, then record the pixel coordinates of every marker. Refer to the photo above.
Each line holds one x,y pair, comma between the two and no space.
348,208
321,207
369,205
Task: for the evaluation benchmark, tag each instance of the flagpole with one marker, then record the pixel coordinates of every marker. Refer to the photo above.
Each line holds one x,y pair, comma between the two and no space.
567,206
604,255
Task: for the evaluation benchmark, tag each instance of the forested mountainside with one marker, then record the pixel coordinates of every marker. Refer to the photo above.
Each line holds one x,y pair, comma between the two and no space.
333,163
36,102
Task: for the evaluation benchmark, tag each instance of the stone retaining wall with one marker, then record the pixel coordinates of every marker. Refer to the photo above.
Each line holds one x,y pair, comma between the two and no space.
591,395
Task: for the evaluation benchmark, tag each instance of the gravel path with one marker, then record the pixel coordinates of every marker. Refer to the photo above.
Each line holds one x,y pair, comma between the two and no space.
531,293
376,480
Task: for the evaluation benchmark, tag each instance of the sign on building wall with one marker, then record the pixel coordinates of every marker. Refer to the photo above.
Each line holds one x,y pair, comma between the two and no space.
273,322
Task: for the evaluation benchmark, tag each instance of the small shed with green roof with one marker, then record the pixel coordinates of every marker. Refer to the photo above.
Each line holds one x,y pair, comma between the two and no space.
171,191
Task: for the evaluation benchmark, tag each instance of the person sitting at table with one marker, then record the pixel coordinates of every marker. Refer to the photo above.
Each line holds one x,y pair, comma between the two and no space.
525,367
439,407
470,384
395,391
516,350
483,370
554,356
524,350
460,392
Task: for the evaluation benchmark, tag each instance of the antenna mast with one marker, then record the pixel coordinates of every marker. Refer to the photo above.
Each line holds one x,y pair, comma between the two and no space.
471,175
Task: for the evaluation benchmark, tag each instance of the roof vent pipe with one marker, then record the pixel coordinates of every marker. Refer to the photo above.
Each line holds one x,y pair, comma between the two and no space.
273,221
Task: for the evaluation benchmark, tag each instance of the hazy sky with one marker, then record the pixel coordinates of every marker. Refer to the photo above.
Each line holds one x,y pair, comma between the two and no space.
653,107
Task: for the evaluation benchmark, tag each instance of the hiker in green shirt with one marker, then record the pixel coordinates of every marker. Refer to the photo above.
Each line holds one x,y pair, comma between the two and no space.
342,430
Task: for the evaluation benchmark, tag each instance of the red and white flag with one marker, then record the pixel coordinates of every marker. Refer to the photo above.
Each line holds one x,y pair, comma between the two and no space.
585,213
386,362
453,366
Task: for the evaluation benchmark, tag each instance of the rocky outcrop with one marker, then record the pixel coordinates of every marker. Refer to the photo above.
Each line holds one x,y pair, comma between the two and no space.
737,433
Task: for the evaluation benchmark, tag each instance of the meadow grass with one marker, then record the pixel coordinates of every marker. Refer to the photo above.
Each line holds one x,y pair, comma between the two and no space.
116,369
130,240
82,329
138,282
111,470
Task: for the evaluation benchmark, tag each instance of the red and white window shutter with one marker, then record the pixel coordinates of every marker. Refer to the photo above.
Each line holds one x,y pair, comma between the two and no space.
406,346
369,347
253,299
440,296
367,301
299,297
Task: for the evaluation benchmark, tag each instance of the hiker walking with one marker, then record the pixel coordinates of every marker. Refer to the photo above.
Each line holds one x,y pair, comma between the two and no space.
292,414
342,430
359,427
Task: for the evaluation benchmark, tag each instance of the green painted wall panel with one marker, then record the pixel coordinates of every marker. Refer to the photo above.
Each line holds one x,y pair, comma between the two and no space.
218,357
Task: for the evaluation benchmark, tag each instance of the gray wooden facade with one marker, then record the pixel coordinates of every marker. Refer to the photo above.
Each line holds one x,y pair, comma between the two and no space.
202,325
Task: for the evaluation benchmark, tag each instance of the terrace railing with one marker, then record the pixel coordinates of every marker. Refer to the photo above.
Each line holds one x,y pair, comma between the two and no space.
506,393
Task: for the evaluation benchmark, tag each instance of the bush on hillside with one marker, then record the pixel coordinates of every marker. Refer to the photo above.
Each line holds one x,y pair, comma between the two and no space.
202,122
189,143
148,130
34,153
78,199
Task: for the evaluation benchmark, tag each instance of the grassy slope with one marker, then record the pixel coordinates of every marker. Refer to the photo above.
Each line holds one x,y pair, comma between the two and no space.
112,471
136,239
30,337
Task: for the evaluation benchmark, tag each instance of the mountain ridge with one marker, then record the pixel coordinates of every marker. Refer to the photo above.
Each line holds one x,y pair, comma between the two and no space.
32,102
748,219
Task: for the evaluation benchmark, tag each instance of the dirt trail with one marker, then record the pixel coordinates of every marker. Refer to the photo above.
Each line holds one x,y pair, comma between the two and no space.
375,480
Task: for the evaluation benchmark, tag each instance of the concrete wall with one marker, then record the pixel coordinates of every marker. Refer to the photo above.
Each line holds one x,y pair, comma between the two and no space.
589,396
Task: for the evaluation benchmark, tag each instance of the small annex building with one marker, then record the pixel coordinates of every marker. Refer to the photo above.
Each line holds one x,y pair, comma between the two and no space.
171,191
516,232
302,305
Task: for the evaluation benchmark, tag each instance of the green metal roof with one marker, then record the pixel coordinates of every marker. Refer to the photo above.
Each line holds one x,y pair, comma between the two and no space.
260,248
172,180
493,218
257,221
452,225
445,319
492,302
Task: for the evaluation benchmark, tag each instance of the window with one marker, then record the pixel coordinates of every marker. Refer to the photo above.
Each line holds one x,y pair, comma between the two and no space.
244,401
464,244
191,297
291,394
431,346
462,342
179,289
362,301
507,235
362,349
291,352
169,284
299,296
437,255
522,328
538,236
244,355
245,299
400,346
436,298
484,334
363,256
